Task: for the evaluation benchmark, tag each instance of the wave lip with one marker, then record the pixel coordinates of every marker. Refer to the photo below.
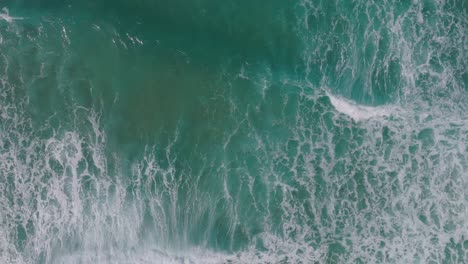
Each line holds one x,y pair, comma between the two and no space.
360,112
5,15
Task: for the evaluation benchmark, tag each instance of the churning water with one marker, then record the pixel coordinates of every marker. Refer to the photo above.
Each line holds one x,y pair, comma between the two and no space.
249,131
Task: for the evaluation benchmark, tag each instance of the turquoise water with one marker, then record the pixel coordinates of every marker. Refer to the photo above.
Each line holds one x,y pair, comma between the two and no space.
233,131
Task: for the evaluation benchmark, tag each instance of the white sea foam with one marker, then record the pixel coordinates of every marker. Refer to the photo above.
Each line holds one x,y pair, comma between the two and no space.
278,251
360,112
5,15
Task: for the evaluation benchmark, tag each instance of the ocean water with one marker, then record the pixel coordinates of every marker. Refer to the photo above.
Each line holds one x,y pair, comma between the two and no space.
203,131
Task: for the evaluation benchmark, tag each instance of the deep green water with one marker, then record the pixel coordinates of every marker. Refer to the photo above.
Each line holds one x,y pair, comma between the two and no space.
203,131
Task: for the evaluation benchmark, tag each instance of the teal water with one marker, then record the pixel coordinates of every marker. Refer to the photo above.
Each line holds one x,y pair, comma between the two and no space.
207,131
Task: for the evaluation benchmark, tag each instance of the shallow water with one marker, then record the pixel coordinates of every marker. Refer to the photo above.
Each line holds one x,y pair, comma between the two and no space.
250,132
